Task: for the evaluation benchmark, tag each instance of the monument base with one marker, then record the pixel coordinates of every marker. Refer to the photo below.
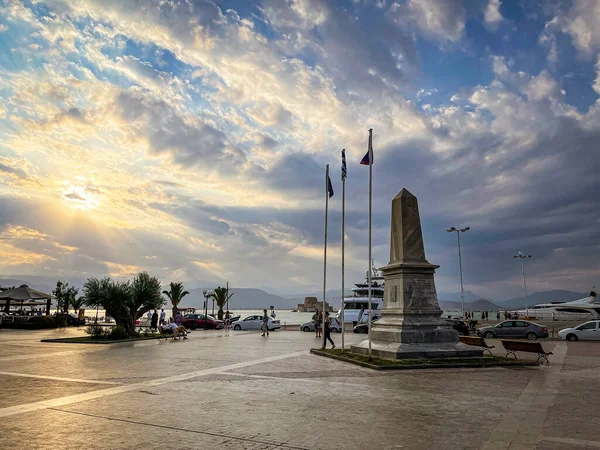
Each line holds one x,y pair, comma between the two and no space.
395,350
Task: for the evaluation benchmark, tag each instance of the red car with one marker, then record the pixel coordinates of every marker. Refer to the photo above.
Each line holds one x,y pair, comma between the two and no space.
193,321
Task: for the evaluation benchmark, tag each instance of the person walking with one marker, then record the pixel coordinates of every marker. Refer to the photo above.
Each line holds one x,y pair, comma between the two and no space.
162,316
227,321
265,325
327,333
498,315
315,319
154,321
149,315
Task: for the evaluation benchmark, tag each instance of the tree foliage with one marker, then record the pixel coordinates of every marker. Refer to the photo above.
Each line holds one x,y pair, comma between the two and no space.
175,293
221,296
125,302
65,295
77,303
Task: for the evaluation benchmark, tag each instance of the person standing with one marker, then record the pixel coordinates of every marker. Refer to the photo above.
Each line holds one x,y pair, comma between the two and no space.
178,318
361,313
265,325
227,321
154,321
149,315
327,333
498,315
320,324
162,316
315,319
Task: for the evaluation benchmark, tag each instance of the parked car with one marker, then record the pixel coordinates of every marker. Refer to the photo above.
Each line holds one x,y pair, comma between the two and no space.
255,323
193,321
514,328
74,320
589,331
460,326
310,326
363,328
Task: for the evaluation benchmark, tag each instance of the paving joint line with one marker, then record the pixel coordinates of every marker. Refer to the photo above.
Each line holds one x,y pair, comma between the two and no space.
77,398
169,427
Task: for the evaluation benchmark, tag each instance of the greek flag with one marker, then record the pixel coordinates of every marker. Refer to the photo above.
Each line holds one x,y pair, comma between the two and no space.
368,158
329,187
344,170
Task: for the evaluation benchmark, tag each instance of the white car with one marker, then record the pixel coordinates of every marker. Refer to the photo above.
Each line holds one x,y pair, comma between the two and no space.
255,323
589,331
310,326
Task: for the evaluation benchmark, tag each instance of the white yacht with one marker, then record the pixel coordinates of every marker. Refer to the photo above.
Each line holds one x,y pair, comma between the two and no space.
356,308
583,309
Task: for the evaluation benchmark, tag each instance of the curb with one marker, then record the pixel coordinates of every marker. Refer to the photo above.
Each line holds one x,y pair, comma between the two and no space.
104,342
517,363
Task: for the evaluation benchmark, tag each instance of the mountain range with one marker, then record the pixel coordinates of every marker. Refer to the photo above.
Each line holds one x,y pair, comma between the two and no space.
252,298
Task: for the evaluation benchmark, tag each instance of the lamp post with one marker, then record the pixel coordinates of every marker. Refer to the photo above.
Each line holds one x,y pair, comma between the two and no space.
521,256
462,291
206,296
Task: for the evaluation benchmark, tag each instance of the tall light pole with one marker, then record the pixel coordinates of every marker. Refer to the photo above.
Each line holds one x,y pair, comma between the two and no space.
462,291
521,256
206,297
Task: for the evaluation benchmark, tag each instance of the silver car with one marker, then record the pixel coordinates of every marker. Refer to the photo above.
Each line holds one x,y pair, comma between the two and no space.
255,323
514,328
310,326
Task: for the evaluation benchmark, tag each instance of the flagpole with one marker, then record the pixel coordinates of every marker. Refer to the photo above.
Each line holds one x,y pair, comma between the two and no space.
343,239
325,250
370,264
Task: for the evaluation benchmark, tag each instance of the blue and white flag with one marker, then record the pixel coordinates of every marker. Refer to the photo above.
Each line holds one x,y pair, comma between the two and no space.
344,170
329,187
368,158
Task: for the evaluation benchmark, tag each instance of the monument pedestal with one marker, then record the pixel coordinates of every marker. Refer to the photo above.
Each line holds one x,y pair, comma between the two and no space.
411,325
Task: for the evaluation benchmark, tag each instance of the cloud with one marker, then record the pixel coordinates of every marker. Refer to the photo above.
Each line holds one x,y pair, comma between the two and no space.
442,21
493,16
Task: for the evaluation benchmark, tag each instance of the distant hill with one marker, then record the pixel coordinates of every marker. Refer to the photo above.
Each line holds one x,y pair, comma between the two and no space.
455,296
477,305
542,297
43,286
243,298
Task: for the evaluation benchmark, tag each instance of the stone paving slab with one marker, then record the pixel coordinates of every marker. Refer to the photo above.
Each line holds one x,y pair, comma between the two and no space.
195,394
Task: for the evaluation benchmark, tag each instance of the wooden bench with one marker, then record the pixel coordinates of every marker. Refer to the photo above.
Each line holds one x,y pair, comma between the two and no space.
477,341
512,347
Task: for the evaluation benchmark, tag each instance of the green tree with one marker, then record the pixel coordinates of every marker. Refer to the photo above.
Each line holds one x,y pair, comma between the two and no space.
77,303
175,294
124,301
221,296
64,295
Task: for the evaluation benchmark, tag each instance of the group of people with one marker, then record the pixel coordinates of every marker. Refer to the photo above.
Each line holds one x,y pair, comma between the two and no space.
485,315
317,319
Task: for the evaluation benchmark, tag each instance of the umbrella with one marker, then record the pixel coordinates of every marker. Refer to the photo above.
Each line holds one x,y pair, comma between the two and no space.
24,292
21,294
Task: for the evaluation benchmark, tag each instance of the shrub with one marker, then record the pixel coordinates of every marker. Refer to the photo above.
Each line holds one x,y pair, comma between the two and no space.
119,332
41,322
95,331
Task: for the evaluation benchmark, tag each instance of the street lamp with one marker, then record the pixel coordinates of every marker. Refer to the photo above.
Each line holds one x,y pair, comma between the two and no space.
462,291
521,256
207,294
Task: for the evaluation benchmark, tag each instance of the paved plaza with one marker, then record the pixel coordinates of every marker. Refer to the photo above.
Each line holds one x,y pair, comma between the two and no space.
243,391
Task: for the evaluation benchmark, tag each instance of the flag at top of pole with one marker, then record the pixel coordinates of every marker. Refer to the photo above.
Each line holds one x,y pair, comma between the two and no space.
344,170
329,186
368,158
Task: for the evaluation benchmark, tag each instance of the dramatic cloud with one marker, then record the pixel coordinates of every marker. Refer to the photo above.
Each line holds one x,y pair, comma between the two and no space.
492,15
190,138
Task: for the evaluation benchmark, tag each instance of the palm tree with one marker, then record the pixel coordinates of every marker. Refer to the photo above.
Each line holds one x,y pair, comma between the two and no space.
220,295
76,304
175,294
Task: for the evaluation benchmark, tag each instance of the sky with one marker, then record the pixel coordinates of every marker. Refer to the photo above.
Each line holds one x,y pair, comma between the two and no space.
189,138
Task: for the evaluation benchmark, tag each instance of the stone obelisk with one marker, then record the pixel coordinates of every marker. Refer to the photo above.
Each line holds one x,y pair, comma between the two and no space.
411,325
